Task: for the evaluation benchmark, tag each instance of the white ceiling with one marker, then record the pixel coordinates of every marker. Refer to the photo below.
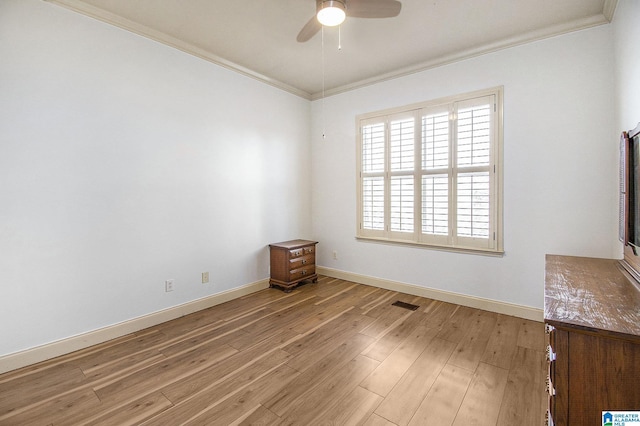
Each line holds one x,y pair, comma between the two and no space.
258,37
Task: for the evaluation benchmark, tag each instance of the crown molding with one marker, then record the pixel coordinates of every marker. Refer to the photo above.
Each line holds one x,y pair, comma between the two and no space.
79,6
609,9
521,39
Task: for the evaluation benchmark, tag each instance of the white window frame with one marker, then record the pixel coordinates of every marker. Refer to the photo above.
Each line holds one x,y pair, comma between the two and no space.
491,240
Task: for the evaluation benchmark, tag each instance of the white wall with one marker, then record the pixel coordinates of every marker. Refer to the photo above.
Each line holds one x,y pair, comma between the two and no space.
627,43
124,163
560,168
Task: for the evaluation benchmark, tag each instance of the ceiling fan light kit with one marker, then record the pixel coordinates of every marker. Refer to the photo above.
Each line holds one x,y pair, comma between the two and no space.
331,12
335,11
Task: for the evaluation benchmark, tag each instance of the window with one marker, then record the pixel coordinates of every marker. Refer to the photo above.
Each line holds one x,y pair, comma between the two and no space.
431,173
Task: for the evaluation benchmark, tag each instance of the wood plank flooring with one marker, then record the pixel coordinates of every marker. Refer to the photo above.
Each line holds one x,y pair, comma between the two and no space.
331,353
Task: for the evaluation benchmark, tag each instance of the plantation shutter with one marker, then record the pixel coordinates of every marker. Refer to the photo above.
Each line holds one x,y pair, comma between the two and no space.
473,172
429,173
402,165
373,138
436,137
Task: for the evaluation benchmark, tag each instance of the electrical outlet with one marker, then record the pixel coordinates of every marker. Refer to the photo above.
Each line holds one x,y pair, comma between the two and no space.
205,277
168,285
335,255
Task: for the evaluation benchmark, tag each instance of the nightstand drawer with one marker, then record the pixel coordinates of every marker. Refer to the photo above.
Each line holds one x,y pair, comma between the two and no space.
305,271
299,262
295,253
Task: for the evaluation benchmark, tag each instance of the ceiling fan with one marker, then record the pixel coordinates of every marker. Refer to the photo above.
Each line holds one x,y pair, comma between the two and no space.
333,12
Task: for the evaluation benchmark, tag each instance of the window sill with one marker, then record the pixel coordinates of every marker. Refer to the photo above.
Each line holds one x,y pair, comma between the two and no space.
463,250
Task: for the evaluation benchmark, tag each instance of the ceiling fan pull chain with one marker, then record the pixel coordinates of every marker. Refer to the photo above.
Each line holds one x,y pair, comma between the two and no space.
322,107
340,37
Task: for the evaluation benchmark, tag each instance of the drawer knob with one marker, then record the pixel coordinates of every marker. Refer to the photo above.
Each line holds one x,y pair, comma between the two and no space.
304,261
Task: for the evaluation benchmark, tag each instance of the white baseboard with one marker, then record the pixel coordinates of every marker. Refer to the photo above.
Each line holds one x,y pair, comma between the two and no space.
519,311
61,347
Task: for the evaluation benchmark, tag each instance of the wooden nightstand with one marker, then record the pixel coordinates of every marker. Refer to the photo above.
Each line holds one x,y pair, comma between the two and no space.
292,262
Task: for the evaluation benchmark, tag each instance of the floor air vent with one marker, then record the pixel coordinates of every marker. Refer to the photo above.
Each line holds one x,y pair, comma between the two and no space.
405,305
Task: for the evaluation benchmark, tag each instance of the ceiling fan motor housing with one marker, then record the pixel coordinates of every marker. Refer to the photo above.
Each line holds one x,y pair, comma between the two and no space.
330,3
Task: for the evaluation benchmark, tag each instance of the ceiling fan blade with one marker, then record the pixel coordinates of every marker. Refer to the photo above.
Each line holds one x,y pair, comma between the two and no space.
309,30
373,8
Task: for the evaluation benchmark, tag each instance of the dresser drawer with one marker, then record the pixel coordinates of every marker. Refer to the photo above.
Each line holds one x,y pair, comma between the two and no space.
305,271
302,251
298,262
295,253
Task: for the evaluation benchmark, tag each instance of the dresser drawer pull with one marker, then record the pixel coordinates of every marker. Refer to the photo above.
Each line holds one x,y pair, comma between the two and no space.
304,261
550,390
548,420
548,328
303,272
308,250
551,356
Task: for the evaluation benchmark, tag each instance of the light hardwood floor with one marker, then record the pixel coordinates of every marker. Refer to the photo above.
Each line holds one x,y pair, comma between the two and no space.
329,353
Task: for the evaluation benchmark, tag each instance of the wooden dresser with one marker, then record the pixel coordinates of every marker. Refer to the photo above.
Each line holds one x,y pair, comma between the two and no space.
292,262
592,316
